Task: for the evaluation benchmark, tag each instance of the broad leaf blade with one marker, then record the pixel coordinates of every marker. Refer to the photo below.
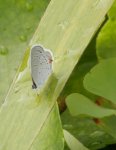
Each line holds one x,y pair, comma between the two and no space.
31,120
68,43
50,136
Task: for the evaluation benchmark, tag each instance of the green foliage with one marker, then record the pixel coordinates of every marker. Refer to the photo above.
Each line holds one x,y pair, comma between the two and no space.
18,21
101,80
30,120
106,47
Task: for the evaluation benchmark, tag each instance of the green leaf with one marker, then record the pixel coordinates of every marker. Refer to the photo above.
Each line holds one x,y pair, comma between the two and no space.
50,135
72,142
101,80
112,12
26,129
62,29
106,42
80,105
87,131
109,125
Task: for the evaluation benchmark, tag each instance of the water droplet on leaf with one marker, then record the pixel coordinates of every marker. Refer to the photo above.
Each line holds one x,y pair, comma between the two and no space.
3,50
28,28
29,6
23,38
63,24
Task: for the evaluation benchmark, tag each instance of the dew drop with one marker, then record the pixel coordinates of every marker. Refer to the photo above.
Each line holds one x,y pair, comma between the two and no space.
28,28
23,38
63,24
3,50
29,6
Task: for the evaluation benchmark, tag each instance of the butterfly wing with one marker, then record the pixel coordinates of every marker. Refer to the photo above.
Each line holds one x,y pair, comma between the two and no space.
41,67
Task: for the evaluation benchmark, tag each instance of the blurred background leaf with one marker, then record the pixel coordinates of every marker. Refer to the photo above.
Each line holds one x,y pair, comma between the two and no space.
18,21
106,41
101,80
81,105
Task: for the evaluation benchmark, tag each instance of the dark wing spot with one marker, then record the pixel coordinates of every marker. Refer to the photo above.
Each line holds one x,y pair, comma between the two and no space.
34,86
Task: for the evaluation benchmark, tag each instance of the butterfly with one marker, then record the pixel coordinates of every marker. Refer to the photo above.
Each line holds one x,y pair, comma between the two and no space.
41,65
